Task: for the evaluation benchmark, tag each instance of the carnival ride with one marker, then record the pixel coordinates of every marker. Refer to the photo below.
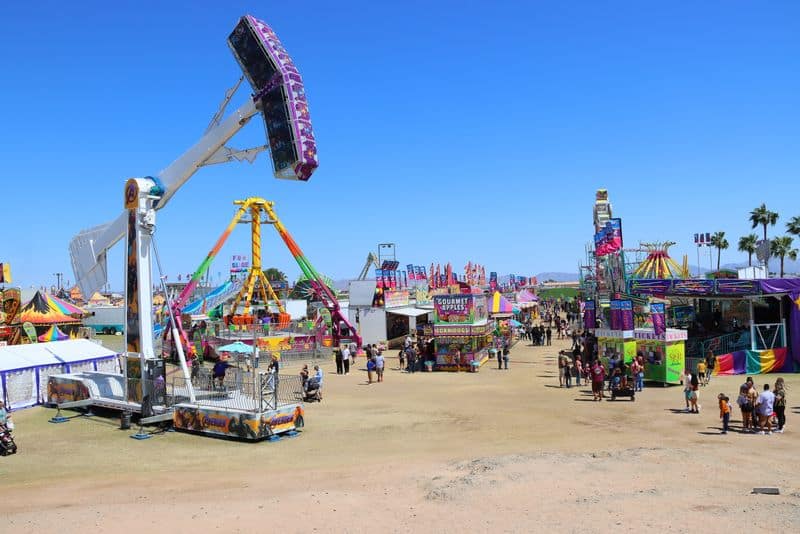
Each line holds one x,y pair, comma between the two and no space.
279,96
261,212
659,264
340,325
372,260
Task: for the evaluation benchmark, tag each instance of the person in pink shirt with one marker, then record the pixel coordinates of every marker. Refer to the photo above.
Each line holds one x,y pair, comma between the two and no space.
598,378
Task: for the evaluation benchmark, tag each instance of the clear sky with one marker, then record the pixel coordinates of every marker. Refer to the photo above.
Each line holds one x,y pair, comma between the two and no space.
457,130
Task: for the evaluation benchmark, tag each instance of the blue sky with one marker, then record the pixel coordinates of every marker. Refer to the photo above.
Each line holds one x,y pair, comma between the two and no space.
457,130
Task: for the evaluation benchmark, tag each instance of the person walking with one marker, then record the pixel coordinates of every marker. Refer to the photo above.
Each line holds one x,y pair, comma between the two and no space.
639,376
694,384
346,359
549,336
499,357
764,406
780,404
635,370
412,359
724,412
379,364
562,363
339,362
598,379
752,397
370,370
568,373
701,372
687,388
745,407
711,363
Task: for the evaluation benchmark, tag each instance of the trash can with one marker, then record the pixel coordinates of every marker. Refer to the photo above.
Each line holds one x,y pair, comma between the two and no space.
429,366
474,366
125,421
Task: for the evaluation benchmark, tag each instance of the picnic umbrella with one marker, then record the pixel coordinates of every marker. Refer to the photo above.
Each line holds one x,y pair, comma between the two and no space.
239,347
514,322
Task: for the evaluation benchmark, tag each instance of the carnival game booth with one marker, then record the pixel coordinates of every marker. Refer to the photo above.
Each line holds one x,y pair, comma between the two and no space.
25,369
461,327
664,354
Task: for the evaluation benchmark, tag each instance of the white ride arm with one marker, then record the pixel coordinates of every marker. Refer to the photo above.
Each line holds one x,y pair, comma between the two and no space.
88,249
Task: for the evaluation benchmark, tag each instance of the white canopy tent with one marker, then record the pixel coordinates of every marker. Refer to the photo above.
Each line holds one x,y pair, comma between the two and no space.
25,369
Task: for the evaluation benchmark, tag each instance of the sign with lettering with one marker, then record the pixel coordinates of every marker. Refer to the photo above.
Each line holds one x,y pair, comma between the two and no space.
454,309
395,298
250,426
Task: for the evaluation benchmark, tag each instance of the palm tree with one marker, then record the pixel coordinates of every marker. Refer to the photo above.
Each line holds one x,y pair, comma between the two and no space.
719,242
747,244
793,226
762,216
782,247
275,275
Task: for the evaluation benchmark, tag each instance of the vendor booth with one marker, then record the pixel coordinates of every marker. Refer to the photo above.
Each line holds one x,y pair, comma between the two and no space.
397,316
664,354
461,332
621,342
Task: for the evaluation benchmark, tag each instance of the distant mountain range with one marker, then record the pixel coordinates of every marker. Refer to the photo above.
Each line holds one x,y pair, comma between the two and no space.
557,277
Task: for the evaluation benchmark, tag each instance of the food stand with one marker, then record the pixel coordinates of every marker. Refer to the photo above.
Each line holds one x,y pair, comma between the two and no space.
620,342
664,354
461,326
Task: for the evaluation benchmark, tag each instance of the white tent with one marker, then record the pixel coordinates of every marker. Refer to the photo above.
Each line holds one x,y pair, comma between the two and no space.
25,369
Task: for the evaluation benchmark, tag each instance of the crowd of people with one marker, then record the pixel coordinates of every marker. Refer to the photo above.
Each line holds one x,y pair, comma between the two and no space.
760,411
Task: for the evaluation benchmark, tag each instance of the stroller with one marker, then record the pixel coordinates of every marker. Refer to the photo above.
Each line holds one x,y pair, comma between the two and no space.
621,386
7,445
312,391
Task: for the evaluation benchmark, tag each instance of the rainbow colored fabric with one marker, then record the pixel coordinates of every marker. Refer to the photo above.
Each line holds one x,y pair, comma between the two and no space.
753,362
53,334
47,309
499,304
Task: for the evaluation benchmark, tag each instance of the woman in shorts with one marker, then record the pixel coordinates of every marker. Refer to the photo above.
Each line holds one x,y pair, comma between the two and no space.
746,408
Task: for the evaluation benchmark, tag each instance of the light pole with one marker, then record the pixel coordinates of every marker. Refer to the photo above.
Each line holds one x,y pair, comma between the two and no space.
58,279
701,239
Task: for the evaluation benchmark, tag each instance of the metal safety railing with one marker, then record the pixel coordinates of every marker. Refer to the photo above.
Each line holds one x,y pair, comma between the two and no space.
240,390
725,344
768,336
150,393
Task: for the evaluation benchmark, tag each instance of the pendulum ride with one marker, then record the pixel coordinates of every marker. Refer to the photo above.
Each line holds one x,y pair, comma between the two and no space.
279,96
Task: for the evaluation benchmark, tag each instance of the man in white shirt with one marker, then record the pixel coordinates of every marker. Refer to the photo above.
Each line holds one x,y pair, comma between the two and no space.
764,407
346,359
379,364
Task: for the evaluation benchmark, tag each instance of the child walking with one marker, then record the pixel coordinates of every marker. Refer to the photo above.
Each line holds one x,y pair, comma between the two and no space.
724,411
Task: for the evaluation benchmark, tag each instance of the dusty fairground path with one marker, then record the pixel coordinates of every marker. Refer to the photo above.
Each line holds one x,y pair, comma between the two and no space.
493,451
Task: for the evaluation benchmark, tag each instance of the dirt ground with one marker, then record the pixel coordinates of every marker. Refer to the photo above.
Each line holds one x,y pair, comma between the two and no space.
495,451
